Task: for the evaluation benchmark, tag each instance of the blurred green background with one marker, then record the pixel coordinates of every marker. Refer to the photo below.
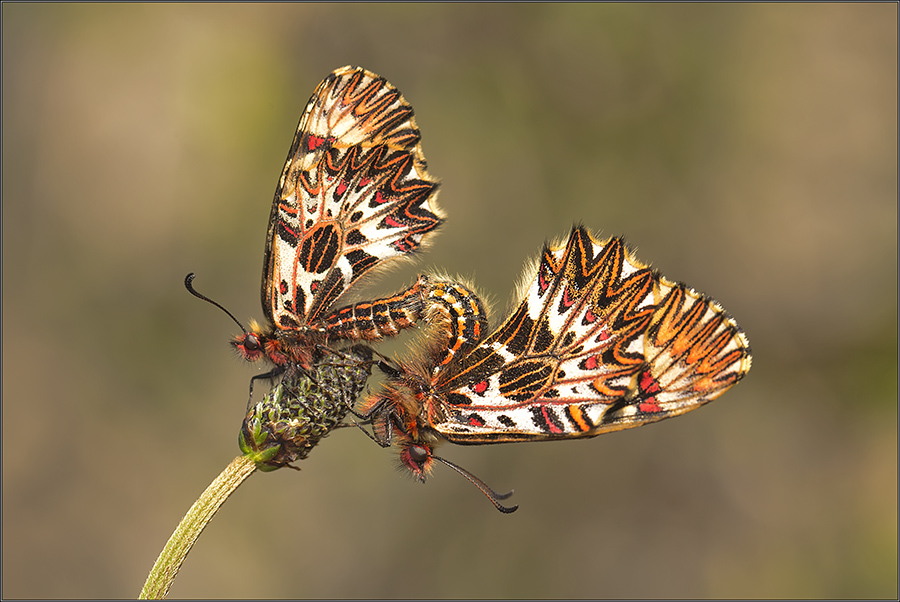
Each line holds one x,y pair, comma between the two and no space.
747,149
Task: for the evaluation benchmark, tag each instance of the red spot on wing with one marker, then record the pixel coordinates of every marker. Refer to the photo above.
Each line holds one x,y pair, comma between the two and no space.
341,188
591,363
379,198
292,232
390,221
542,283
566,301
404,246
314,142
549,420
649,406
648,384
590,317
481,387
364,181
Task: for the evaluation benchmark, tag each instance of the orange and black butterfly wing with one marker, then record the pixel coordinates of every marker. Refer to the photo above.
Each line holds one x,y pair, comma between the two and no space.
600,343
354,194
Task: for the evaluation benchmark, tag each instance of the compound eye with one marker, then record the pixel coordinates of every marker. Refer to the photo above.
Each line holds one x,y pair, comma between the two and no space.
251,343
418,454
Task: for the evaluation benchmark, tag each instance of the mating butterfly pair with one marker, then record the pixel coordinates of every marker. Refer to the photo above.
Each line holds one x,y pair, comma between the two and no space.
599,342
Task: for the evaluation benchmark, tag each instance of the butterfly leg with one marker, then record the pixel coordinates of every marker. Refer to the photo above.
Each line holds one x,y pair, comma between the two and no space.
367,433
270,375
381,421
389,370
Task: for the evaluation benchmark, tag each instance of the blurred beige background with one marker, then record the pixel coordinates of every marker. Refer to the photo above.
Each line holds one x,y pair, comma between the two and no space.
747,149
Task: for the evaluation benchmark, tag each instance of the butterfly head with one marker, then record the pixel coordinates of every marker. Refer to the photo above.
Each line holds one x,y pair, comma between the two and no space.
280,349
252,344
417,458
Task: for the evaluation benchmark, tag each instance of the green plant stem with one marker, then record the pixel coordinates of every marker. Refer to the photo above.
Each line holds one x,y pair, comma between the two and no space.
204,509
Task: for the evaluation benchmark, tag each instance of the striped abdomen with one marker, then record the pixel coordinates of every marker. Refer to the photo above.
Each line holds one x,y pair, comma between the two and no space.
463,314
375,320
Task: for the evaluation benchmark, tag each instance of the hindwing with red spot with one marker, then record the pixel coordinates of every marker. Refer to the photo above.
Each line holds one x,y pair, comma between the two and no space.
600,343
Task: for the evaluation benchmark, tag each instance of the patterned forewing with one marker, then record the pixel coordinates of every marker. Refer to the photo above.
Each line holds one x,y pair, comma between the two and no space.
354,193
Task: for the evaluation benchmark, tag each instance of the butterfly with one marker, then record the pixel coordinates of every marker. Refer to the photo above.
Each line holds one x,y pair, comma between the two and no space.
600,342
354,194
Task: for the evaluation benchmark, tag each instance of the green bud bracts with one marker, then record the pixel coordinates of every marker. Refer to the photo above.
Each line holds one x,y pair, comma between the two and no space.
303,407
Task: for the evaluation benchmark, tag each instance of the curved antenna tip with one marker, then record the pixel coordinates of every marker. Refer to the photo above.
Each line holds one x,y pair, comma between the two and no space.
492,495
189,285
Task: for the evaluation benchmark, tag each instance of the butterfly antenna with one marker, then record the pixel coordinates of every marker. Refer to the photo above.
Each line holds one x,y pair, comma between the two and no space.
490,493
188,284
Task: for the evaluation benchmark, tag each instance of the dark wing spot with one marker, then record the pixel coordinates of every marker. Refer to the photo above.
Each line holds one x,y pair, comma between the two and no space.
506,420
458,399
522,381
